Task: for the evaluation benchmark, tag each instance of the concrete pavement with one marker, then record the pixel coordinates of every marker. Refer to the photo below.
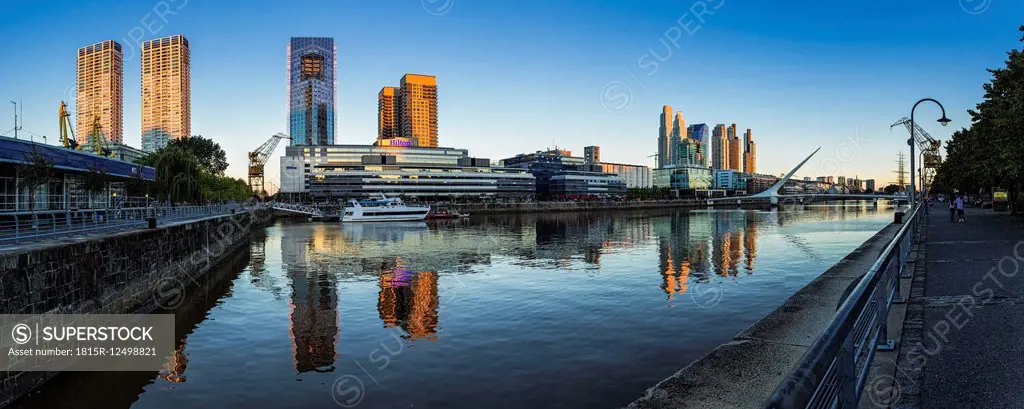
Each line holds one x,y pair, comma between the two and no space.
962,344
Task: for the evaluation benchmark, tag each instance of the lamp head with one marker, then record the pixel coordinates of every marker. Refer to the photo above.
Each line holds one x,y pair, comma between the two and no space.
945,121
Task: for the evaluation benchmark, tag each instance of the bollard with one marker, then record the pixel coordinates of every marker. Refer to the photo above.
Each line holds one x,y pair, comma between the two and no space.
898,217
151,222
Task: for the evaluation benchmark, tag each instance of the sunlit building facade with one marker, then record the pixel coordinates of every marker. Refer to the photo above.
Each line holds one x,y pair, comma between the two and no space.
166,91
388,124
720,148
358,171
749,152
312,83
100,92
735,151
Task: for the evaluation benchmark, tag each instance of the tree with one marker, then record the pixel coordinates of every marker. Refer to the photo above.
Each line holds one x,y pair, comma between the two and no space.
891,189
178,174
990,153
35,172
209,153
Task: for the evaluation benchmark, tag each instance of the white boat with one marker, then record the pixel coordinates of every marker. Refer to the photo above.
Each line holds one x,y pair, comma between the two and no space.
384,209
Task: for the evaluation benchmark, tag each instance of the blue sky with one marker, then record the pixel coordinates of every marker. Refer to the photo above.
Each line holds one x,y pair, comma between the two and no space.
518,76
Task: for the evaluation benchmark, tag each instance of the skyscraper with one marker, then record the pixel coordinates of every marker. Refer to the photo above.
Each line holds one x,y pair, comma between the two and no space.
100,92
701,135
312,68
749,153
418,108
676,140
388,124
735,150
166,91
409,110
720,148
664,137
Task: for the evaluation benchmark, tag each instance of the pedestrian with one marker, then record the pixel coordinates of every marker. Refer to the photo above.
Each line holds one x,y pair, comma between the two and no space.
952,210
926,204
960,208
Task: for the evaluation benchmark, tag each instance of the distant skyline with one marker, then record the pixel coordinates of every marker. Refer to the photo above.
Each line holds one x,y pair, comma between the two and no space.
520,76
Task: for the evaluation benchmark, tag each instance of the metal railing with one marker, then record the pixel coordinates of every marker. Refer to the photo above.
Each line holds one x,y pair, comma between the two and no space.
833,371
17,227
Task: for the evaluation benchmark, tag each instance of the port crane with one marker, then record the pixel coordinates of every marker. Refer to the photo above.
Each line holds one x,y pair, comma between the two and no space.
65,127
258,160
929,147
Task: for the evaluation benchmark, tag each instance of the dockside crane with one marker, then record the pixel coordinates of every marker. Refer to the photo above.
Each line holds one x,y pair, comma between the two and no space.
258,160
97,139
929,147
65,127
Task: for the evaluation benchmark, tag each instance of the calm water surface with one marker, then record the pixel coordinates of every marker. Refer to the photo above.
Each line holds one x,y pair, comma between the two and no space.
562,310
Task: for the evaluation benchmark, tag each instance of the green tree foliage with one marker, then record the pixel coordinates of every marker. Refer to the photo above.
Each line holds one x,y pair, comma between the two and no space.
891,189
211,157
36,172
178,173
990,153
185,176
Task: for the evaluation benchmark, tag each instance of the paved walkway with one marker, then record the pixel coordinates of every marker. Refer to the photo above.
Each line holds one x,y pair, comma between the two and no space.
963,336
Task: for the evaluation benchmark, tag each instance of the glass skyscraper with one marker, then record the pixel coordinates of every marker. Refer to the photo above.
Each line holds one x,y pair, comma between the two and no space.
701,133
312,68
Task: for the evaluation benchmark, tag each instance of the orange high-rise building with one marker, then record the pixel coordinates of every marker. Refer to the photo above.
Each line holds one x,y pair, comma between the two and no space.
166,91
388,123
735,150
749,153
409,111
100,92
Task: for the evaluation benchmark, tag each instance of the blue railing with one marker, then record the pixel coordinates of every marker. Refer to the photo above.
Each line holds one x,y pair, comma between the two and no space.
833,371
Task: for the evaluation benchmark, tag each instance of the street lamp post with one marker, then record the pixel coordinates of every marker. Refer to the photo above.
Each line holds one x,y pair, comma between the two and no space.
944,121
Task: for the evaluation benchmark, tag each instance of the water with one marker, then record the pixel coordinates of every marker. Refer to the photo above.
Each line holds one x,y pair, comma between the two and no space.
561,310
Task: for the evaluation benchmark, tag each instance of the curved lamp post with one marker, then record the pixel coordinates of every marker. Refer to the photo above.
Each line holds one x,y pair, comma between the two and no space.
944,121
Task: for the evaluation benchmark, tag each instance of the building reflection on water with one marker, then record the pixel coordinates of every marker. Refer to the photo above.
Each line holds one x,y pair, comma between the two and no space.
315,327
408,260
409,300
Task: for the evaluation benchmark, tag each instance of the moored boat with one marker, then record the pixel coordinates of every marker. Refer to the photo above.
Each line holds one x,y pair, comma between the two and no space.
444,213
384,209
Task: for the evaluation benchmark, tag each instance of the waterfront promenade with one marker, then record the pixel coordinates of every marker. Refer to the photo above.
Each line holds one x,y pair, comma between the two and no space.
965,320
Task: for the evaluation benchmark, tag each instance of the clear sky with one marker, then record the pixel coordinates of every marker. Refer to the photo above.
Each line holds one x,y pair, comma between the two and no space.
523,75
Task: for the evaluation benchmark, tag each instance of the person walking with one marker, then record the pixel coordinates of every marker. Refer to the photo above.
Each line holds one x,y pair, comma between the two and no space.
960,208
952,210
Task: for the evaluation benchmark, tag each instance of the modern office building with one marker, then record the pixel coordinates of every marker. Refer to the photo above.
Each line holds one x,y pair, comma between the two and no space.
634,176
719,148
665,137
166,91
683,177
749,153
686,152
312,83
869,185
356,171
730,179
100,90
701,134
592,155
561,175
388,125
735,150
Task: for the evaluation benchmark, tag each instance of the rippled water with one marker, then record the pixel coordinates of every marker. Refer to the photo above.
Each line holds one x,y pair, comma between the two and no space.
561,310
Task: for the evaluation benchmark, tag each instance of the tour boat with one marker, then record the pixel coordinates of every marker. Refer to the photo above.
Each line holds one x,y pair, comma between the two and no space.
385,209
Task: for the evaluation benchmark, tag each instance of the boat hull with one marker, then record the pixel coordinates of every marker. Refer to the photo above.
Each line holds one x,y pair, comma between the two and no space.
385,218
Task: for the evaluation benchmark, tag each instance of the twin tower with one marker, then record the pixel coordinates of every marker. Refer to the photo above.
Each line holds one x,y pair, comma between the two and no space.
681,145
